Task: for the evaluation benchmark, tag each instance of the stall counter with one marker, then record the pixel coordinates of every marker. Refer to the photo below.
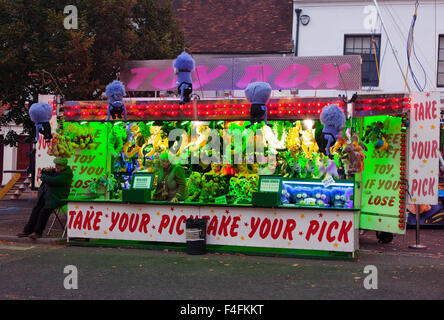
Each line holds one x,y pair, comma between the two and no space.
242,228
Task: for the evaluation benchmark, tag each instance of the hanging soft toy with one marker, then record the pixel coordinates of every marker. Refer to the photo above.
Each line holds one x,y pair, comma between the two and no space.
41,113
333,119
183,65
354,156
374,133
115,91
258,94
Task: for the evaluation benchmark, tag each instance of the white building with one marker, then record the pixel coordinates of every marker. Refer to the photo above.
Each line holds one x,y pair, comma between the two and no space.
13,158
349,27
22,156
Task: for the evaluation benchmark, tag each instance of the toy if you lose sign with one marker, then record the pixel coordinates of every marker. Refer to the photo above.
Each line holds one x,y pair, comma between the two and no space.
423,171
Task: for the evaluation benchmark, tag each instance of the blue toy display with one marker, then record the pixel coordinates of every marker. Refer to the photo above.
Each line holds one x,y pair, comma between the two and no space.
41,113
183,65
338,197
258,94
317,195
115,91
322,196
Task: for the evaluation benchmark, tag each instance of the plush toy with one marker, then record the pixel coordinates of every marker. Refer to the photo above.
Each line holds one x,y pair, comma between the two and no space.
81,137
117,139
322,196
115,91
375,134
41,113
333,119
310,169
294,142
309,144
299,194
327,167
193,186
242,170
240,190
308,195
349,197
285,197
60,146
338,198
341,142
183,65
258,94
274,140
354,156
214,172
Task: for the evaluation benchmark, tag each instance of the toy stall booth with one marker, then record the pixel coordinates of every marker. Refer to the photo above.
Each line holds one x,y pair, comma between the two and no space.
263,189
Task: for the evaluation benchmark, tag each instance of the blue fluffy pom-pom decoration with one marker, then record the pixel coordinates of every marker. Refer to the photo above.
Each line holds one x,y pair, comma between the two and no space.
115,87
333,116
258,92
40,112
115,92
184,62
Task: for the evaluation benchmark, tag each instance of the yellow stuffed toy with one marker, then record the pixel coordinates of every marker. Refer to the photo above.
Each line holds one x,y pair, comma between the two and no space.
294,142
309,144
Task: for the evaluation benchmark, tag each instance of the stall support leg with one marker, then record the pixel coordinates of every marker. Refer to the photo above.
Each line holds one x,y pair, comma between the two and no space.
417,245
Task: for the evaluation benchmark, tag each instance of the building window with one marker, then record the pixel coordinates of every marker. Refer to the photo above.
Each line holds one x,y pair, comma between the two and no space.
366,46
441,62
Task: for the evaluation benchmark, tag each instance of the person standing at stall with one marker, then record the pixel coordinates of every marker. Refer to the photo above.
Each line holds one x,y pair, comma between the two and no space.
171,182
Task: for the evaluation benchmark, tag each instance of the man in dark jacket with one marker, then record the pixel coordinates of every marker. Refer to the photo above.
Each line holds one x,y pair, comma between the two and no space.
55,188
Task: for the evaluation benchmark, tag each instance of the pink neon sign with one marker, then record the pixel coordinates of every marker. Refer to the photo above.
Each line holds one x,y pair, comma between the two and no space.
304,73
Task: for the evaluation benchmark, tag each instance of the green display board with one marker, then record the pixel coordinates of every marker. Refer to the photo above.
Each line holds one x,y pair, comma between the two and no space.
90,160
381,179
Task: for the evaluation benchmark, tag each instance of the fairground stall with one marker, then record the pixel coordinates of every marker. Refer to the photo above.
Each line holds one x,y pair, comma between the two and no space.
262,189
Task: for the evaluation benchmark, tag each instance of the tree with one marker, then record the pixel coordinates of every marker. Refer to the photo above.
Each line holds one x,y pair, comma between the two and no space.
39,56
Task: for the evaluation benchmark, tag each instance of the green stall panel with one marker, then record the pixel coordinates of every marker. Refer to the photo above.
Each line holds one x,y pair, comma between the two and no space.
90,163
382,184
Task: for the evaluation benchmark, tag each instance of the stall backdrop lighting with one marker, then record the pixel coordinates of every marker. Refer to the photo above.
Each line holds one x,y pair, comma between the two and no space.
280,109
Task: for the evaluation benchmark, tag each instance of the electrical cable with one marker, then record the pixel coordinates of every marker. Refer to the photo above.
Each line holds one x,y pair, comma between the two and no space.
410,48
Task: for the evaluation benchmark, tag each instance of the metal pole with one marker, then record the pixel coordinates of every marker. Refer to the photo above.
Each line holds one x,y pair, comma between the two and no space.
417,245
391,44
296,40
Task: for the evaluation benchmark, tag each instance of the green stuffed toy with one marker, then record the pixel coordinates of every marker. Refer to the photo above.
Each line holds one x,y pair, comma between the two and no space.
194,187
